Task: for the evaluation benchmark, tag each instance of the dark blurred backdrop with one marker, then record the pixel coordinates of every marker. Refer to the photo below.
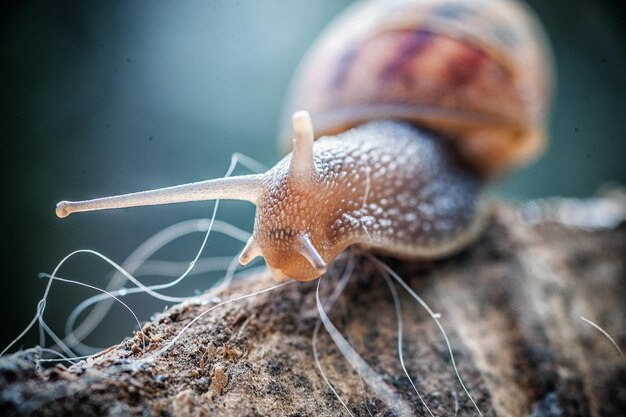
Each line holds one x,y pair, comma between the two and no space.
106,97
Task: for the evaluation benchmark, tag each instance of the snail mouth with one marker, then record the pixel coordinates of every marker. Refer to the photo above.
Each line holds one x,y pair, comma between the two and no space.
299,271
278,274
294,267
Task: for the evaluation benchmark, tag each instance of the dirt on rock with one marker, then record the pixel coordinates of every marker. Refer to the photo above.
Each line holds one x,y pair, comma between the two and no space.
511,305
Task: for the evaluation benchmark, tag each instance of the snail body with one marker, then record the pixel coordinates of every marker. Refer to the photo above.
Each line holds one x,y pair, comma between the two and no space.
383,185
415,109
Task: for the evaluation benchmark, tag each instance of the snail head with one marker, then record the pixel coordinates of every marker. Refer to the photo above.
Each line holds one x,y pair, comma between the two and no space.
289,230
290,226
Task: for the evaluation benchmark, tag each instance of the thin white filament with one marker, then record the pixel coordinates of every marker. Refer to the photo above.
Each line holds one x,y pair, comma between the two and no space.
398,308
26,329
165,268
435,317
122,292
364,202
105,292
131,278
367,407
139,258
79,346
605,333
74,359
321,369
131,264
154,244
42,303
371,377
230,170
362,385
41,306
225,282
199,316
252,164
59,356
35,402
346,277
329,304
162,268
44,326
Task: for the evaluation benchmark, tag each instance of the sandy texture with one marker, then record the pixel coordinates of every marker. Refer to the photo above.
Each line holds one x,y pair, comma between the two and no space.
511,305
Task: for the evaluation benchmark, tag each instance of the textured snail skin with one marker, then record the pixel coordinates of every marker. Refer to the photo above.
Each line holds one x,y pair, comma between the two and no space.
384,185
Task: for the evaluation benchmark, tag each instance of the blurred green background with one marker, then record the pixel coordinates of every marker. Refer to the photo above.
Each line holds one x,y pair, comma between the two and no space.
107,97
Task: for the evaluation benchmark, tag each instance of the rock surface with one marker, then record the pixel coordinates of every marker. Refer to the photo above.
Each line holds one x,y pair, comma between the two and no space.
511,305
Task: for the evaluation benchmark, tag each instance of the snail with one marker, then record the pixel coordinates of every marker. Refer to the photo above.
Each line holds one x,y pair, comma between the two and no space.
417,106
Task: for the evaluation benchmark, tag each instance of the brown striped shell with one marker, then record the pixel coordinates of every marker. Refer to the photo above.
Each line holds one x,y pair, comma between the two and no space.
476,71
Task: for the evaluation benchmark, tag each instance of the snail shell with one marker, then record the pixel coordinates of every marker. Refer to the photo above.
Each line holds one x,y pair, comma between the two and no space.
475,71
